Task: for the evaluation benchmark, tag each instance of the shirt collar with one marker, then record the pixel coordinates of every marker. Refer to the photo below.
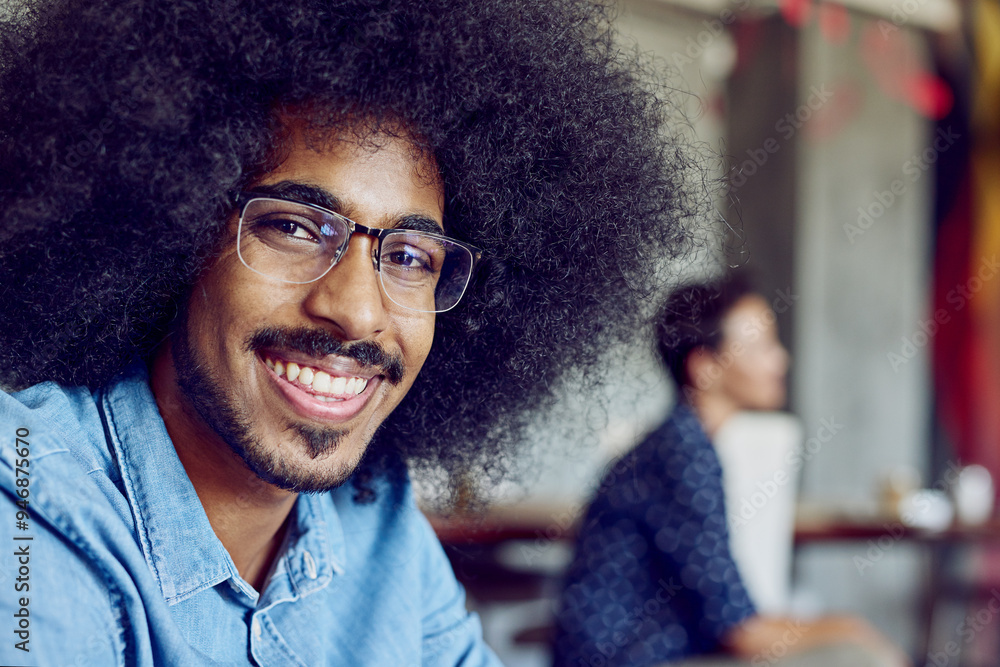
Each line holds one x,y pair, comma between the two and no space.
177,540
315,550
180,547
683,413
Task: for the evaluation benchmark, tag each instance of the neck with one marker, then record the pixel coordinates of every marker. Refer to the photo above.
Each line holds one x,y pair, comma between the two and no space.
248,515
713,409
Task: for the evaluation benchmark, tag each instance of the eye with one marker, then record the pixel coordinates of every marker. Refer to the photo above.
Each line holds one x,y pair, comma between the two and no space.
406,256
296,231
413,257
282,229
289,227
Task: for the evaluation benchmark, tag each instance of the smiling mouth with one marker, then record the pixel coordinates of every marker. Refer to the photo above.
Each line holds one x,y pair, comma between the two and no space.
321,385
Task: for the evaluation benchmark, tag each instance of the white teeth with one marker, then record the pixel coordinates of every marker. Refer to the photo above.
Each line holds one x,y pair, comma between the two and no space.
321,382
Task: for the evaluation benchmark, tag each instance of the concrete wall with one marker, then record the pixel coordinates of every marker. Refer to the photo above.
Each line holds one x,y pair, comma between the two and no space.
856,291
863,287
862,290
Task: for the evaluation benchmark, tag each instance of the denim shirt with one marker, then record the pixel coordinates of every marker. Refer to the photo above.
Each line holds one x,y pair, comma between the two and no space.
117,563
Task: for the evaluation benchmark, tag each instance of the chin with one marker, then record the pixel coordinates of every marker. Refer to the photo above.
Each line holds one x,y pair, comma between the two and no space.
774,403
323,460
766,402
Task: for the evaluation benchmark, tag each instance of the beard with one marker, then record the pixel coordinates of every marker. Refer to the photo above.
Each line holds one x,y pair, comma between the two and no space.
234,424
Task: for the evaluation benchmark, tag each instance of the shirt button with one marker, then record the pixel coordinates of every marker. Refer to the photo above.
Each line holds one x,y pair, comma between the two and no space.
310,564
255,626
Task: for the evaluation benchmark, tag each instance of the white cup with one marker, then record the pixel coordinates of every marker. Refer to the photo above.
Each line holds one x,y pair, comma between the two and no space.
974,495
929,509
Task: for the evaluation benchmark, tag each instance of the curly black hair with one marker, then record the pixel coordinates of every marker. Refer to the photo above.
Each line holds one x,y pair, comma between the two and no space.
127,127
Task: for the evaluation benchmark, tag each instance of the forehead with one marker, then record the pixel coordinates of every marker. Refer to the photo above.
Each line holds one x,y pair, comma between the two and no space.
751,315
375,175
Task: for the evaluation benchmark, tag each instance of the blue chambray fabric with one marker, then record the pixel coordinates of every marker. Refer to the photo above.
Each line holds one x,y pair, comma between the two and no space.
124,567
653,579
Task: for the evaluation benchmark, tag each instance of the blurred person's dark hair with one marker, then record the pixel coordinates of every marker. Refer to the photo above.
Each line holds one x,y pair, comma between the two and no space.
692,318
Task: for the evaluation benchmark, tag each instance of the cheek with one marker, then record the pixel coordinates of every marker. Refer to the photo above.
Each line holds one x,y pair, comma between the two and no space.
225,307
423,339
751,377
416,335
779,361
745,380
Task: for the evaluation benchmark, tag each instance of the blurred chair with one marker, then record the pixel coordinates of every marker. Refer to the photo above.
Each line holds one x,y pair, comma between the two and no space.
761,456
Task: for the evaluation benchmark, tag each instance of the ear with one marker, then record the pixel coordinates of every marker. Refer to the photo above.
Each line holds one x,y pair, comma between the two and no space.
702,369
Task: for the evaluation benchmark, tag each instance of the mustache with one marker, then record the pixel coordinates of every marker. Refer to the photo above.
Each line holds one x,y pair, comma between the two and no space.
319,343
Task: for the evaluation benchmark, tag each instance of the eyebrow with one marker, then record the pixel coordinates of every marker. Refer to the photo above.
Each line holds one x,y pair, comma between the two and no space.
311,194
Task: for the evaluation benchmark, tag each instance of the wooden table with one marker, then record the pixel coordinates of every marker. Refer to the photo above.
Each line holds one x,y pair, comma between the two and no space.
501,523
473,542
941,545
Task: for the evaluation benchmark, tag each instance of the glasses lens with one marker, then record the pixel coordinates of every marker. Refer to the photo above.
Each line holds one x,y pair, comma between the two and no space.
424,272
298,243
289,241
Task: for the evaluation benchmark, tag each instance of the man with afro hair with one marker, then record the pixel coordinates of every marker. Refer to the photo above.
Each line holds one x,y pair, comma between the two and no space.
258,260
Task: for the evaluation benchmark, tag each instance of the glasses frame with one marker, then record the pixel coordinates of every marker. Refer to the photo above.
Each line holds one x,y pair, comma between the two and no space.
244,199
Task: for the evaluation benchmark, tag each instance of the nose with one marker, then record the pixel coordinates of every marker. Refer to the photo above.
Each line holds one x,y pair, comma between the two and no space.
350,297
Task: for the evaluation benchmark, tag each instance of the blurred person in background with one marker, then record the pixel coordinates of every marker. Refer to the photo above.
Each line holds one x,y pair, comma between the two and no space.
653,580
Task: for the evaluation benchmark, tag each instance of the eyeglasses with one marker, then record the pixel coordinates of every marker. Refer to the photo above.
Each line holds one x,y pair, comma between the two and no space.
299,243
